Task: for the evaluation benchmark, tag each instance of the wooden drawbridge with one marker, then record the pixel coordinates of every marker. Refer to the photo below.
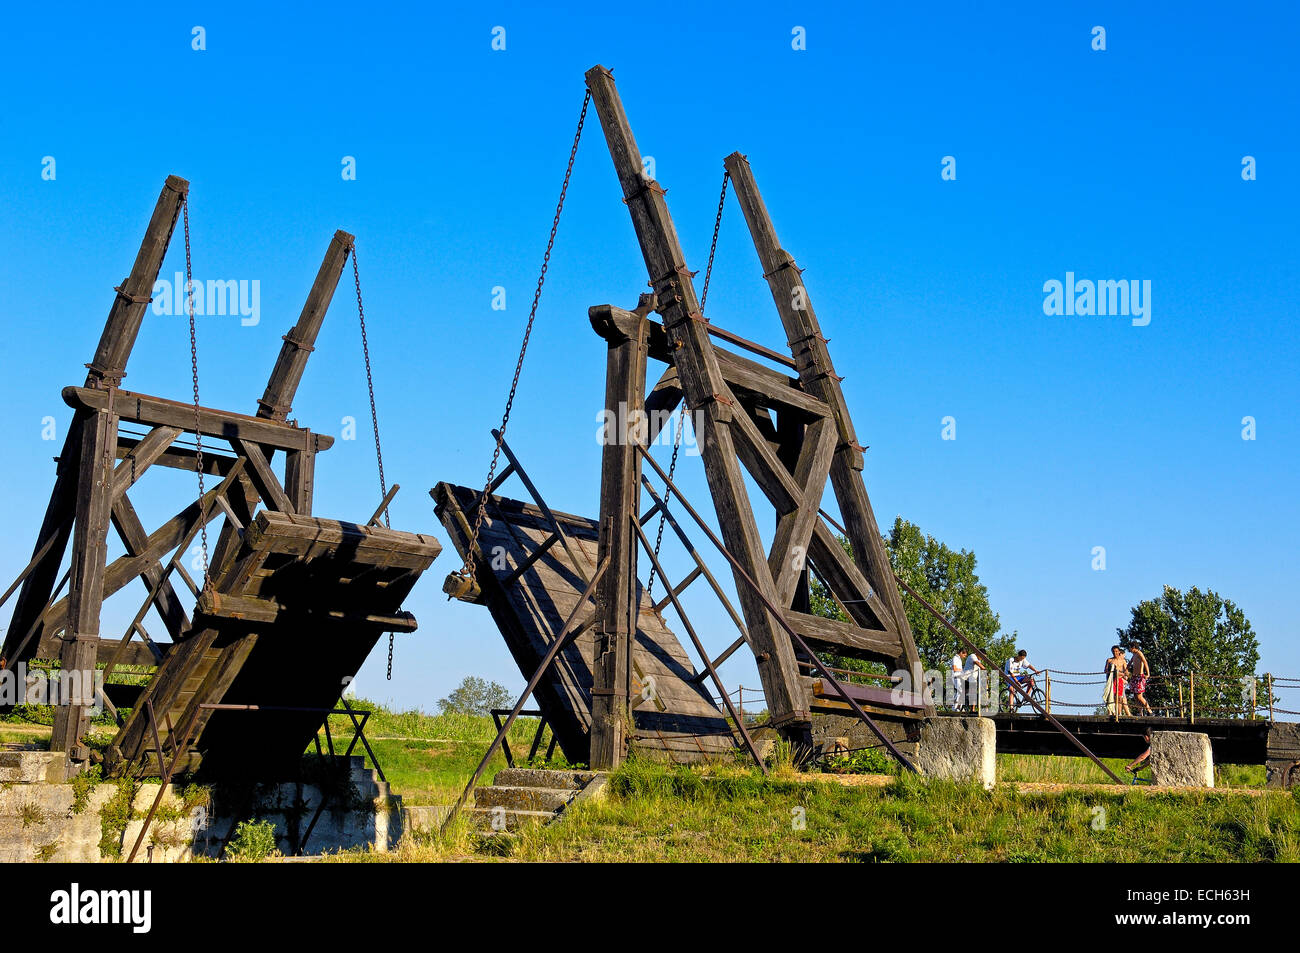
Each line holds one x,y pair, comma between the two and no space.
290,605
532,566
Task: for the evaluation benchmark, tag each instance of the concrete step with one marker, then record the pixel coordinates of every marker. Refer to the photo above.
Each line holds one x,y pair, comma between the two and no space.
32,767
543,778
523,799
500,820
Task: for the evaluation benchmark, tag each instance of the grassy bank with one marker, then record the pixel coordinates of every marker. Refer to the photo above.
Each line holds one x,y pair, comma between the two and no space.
428,758
1059,770
654,813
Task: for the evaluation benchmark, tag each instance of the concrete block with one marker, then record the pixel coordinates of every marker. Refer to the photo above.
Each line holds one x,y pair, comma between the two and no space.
1283,756
33,767
1182,759
958,749
522,799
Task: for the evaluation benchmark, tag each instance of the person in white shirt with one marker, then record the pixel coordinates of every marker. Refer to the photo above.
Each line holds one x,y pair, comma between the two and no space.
973,672
1018,669
959,680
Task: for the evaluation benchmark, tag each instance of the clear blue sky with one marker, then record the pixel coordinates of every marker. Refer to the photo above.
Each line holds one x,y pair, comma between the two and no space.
1072,432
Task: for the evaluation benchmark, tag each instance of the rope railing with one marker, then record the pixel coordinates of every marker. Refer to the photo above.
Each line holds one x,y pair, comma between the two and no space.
1188,695
1264,705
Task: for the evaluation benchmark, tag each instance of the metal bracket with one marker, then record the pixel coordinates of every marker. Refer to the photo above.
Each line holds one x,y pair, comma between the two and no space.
134,299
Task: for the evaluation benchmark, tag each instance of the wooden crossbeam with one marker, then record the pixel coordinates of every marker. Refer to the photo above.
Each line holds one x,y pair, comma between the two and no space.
163,540
156,411
794,529
678,589
141,455
847,582
843,638
136,539
263,477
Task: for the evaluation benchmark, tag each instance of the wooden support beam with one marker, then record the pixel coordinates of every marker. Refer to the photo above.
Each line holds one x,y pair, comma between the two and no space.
817,374
745,377
133,295
789,556
142,455
617,594
846,581
581,564
844,638
179,458
136,540
155,411
26,626
300,480
678,589
707,394
700,565
277,401
263,477
161,541
86,593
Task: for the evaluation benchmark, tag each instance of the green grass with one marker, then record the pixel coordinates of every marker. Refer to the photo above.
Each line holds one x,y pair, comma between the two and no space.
1060,770
429,758
656,813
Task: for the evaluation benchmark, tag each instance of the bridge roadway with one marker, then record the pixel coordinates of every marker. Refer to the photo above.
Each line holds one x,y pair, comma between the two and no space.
1234,740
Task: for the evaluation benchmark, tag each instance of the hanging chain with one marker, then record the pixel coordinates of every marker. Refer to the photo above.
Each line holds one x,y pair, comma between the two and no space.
370,383
194,370
681,417
374,416
713,246
470,568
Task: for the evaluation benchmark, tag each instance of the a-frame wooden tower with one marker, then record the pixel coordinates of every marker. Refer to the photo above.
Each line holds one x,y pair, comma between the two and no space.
791,434
293,603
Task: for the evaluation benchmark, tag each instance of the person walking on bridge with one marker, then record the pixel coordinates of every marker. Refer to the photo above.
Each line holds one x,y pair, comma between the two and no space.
1116,671
1139,671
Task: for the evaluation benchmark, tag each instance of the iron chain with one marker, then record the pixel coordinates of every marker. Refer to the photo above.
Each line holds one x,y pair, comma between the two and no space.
374,416
470,569
194,370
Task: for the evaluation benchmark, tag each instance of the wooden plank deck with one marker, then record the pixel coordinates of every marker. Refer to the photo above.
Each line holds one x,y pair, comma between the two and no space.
683,724
294,613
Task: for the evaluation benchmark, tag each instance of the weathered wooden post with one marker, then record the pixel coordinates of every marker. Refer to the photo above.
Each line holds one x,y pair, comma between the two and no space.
1191,696
1049,691
104,372
723,434
617,595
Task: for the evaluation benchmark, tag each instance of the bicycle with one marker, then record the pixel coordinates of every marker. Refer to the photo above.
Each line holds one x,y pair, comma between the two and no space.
1135,772
1013,701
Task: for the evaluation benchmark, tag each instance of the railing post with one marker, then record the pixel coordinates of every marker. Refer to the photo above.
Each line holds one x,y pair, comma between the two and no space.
1254,700
1191,692
1270,696
1048,673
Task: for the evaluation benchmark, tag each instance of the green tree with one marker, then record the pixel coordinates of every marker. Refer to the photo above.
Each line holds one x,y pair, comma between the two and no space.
947,580
1199,632
475,696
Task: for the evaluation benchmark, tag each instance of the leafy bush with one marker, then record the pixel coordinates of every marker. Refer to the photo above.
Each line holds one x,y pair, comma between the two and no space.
253,841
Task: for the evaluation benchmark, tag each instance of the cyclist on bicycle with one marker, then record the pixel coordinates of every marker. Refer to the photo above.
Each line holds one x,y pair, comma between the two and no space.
1017,669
